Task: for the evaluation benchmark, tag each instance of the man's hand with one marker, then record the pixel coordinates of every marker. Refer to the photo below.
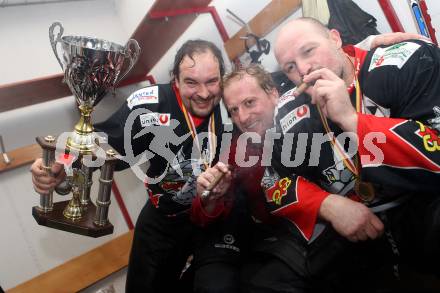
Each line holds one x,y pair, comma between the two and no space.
44,182
350,219
329,92
205,179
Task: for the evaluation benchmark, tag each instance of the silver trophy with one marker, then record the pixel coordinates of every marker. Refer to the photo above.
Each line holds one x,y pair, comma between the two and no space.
91,67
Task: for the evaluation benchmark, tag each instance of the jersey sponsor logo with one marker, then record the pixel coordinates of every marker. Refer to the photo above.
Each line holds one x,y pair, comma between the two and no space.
149,95
431,139
287,97
293,117
228,239
157,119
395,55
276,192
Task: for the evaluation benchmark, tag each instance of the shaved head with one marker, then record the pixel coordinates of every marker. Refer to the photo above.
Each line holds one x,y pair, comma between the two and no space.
304,45
311,24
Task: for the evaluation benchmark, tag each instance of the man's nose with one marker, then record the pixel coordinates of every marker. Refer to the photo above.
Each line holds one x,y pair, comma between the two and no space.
243,116
303,68
203,91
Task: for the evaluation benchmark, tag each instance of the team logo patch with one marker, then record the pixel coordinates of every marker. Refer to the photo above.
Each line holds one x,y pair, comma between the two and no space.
158,119
431,139
149,95
293,117
424,141
287,97
276,193
396,55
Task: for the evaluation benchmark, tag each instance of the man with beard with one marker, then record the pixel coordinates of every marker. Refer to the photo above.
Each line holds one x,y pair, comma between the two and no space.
163,236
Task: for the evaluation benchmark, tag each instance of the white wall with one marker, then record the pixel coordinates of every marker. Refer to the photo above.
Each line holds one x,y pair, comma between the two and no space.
434,12
131,12
25,40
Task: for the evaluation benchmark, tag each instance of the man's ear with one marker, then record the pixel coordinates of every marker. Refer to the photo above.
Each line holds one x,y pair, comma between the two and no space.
335,37
176,81
274,96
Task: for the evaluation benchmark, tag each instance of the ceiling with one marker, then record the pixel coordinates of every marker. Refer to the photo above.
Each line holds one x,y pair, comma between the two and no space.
9,3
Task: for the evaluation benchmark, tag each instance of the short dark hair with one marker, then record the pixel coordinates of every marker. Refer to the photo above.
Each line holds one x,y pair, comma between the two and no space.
263,77
191,47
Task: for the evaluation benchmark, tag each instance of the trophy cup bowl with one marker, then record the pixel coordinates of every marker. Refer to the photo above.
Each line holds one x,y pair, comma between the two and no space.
91,67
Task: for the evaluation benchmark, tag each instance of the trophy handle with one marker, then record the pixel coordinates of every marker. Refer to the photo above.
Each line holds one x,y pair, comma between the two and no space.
132,52
54,41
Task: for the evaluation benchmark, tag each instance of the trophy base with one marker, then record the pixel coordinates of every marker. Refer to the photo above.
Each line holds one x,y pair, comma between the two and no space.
84,226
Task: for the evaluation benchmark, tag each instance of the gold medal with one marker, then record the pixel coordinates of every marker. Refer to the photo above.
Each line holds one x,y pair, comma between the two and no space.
364,190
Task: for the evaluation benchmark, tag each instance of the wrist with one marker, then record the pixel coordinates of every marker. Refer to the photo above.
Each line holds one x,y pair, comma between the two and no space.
349,123
325,210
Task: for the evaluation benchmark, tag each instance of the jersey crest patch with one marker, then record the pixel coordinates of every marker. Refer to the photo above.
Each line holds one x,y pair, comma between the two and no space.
395,55
149,95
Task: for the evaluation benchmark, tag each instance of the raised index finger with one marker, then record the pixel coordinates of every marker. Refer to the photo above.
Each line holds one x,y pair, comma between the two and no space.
322,73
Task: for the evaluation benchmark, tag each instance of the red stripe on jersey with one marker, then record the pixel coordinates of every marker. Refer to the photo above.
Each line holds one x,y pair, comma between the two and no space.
304,212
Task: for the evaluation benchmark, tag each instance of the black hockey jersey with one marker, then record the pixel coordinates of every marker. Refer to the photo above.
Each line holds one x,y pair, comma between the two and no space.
151,127
398,128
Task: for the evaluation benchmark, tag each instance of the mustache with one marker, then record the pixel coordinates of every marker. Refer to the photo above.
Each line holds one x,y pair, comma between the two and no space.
208,98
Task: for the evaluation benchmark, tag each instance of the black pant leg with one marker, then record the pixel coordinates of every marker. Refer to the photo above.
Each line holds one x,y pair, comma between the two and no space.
219,249
266,273
159,251
217,277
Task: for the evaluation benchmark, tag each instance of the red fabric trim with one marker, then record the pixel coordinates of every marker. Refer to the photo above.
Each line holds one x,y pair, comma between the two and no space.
200,217
359,56
304,212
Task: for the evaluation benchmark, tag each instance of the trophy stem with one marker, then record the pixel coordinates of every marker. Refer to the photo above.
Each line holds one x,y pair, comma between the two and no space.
83,138
84,125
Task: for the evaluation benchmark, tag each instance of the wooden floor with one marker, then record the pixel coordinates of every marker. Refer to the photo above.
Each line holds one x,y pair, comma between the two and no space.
84,270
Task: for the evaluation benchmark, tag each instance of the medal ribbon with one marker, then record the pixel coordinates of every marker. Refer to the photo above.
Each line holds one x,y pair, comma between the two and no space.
212,139
340,152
